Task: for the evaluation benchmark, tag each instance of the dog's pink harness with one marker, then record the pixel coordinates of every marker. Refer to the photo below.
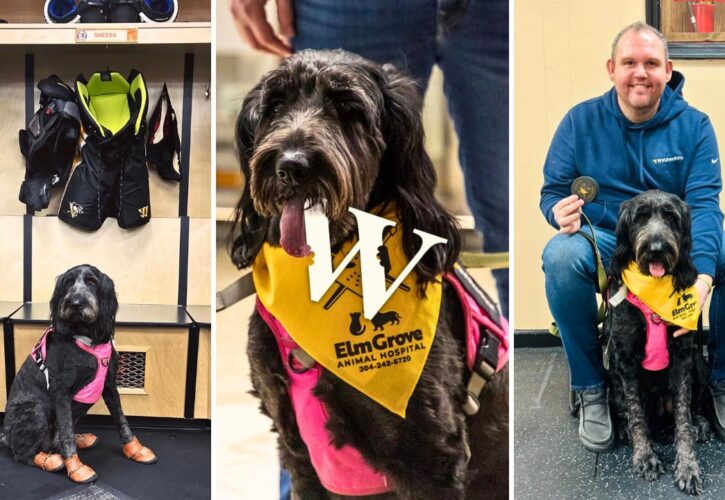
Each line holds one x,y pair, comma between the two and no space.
102,352
343,470
656,356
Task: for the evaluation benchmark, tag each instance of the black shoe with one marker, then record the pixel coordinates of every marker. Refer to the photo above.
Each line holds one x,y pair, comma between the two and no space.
718,404
596,432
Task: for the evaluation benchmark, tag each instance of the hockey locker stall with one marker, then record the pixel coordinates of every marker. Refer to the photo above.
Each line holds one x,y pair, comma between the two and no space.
162,270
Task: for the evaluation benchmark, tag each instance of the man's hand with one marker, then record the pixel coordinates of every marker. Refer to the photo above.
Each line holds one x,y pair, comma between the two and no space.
567,215
703,286
252,25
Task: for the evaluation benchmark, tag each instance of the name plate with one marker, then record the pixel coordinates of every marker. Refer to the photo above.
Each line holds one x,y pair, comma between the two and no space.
129,35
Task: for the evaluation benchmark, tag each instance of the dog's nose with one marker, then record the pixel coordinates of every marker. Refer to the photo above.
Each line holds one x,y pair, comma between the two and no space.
292,171
656,246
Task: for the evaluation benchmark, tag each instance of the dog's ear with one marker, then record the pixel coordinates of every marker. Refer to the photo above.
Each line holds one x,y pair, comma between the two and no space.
250,228
684,274
107,307
55,301
623,252
246,126
407,176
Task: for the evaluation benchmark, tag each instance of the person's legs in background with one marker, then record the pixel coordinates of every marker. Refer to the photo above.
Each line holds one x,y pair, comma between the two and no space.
570,274
472,51
401,32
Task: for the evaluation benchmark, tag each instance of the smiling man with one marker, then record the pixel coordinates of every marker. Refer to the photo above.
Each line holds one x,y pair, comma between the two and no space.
640,135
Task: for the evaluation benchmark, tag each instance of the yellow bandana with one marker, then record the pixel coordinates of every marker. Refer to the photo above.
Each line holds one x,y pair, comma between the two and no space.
681,308
382,358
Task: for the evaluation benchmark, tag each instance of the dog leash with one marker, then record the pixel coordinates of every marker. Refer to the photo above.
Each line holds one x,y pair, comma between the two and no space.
587,189
239,290
602,281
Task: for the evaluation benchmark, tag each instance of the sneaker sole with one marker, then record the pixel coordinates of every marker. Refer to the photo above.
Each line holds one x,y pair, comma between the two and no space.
597,447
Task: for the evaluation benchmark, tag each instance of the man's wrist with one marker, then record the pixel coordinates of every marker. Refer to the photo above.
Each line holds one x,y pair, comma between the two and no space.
707,280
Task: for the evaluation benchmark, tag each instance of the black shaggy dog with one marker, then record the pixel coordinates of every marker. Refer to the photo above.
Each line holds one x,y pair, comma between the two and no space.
41,414
334,126
654,230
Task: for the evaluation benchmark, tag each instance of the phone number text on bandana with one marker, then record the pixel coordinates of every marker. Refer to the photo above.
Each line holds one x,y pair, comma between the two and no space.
384,364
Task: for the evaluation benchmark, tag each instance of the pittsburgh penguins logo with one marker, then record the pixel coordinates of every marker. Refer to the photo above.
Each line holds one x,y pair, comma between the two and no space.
144,211
75,209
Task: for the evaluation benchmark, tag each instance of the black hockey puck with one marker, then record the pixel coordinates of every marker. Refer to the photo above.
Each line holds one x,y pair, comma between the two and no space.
585,188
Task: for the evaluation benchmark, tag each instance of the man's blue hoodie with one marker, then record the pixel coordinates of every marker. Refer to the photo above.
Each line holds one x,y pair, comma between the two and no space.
675,151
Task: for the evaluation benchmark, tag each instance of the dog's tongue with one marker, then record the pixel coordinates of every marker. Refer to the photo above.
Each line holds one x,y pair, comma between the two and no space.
292,228
656,269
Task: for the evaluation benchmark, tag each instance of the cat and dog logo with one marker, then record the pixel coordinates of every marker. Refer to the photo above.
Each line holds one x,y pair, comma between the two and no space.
379,321
685,297
686,306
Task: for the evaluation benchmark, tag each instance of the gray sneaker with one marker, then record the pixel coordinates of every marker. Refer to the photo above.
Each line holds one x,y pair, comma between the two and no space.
596,432
718,403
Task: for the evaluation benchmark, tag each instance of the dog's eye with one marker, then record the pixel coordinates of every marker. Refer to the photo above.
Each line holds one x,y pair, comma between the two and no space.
642,213
273,107
344,107
90,280
671,217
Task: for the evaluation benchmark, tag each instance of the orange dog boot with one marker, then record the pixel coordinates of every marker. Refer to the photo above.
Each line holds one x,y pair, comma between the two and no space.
86,441
50,462
79,472
134,450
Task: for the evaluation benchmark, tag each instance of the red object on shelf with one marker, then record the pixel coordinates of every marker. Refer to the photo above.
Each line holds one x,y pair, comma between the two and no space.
702,13
704,16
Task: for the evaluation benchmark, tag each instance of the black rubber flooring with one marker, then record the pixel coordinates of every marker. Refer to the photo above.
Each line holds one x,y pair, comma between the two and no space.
550,462
182,472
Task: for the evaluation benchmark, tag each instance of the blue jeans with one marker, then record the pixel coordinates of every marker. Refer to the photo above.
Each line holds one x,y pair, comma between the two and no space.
468,40
285,484
570,270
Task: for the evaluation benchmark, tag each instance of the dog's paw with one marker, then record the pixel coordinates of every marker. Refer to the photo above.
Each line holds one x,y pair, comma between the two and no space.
648,466
702,428
688,477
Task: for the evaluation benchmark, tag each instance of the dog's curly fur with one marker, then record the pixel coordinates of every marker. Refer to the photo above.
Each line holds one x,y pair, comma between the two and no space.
40,419
355,125
654,227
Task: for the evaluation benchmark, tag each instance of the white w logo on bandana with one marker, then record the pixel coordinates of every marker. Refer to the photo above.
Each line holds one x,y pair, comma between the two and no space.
370,230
